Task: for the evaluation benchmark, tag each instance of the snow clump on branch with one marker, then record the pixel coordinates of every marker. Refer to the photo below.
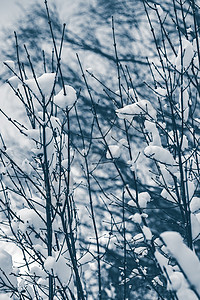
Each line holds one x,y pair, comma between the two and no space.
67,100
142,107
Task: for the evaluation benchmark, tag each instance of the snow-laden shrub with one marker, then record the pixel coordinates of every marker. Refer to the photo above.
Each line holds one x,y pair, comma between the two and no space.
57,249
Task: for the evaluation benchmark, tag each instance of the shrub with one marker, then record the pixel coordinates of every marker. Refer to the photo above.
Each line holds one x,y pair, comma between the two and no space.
142,225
